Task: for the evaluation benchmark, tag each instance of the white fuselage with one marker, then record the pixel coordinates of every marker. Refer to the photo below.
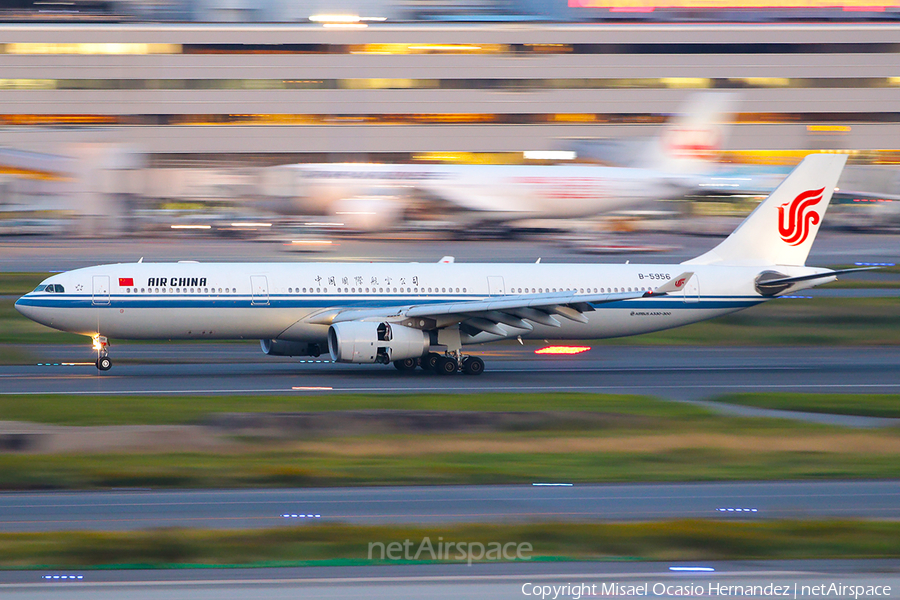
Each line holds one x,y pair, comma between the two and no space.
278,300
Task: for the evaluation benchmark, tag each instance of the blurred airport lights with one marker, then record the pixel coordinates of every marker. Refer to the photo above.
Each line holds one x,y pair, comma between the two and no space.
334,18
550,155
344,21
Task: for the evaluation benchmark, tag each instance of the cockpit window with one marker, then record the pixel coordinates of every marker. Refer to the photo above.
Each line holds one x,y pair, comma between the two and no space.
53,288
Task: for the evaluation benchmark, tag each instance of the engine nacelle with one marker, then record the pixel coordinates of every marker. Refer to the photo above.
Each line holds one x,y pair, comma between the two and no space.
285,348
374,342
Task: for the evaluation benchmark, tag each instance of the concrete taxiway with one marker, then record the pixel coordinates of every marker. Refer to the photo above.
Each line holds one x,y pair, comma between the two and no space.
545,501
521,580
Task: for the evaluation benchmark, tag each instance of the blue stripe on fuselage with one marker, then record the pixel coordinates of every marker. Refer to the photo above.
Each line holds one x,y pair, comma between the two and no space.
331,301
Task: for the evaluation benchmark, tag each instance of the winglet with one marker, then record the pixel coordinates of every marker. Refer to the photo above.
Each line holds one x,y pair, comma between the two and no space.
676,284
447,260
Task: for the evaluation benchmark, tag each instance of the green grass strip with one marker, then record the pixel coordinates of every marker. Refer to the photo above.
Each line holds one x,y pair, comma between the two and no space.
170,410
868,405
285,468
344,544
16,284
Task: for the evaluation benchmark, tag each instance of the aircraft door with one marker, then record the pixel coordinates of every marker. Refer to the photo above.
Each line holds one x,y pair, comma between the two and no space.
100,292
495,286
692,290
259,290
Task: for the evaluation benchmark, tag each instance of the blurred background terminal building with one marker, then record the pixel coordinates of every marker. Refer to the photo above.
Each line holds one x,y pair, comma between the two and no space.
114,109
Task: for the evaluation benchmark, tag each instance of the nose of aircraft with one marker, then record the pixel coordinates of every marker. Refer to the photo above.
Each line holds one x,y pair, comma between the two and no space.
27,308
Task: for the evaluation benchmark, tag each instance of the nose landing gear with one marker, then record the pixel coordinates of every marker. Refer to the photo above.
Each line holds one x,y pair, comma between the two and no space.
101,345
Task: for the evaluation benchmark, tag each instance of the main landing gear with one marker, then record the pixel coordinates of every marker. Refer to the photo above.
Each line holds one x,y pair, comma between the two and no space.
443,364
101,345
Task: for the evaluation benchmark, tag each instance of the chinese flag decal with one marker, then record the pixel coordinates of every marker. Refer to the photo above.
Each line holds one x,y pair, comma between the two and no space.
126,282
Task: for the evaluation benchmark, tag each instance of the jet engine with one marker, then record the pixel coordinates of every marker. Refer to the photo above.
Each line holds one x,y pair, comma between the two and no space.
374,342
285,348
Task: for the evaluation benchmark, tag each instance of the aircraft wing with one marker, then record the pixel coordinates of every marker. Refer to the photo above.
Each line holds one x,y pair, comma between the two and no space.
516,311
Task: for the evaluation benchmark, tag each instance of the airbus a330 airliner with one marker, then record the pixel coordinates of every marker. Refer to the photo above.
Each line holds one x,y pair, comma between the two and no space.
425,314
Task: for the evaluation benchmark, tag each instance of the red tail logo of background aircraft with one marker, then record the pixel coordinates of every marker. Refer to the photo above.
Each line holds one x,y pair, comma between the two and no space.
795,217
697,143
679,283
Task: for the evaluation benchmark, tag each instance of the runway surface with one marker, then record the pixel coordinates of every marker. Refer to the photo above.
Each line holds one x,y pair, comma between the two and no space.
524,580
226,509
677,373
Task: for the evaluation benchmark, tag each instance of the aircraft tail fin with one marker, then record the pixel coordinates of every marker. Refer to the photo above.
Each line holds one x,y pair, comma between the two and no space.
782,228
691,140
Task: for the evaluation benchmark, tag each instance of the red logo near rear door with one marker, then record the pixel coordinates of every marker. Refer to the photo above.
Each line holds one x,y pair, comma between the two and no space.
795,219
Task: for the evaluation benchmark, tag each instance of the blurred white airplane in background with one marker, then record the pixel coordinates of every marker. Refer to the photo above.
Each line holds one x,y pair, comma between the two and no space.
375,196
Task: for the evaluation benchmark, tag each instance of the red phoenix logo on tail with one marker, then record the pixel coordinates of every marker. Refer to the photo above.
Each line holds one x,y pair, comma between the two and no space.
795,217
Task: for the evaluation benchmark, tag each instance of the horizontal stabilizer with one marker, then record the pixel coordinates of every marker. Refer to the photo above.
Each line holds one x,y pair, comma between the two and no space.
817,275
